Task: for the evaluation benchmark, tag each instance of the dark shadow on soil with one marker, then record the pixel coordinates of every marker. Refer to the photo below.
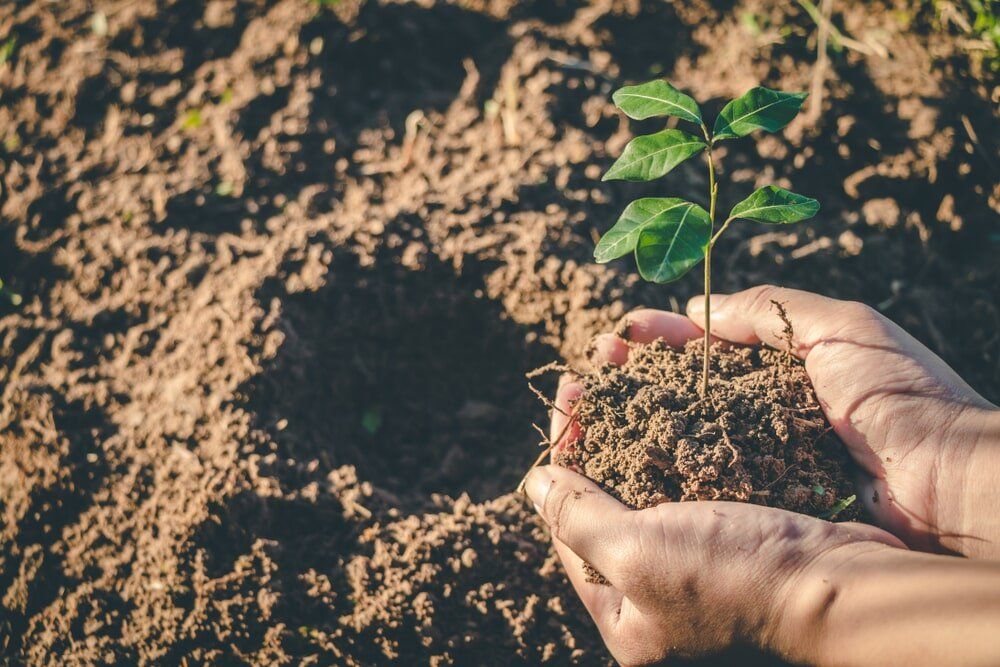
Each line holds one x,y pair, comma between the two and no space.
181,26
390,61
548,11
24,273
373,72
54,504
408,375
653,37
208,211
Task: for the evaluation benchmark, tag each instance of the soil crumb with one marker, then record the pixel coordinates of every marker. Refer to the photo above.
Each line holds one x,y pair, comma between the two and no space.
759,437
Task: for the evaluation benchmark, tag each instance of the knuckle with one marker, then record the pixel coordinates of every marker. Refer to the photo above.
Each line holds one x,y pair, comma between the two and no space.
860,313
759,298
860,321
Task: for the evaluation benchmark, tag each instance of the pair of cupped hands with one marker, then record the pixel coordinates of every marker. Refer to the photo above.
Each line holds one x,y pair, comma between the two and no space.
693,579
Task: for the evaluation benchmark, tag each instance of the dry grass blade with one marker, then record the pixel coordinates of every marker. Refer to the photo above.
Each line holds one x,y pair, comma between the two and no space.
549,445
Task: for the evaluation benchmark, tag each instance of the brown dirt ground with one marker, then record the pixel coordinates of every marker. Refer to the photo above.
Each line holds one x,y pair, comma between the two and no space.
284,267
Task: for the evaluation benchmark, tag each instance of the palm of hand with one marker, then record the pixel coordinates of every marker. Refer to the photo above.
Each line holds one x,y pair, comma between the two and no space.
899,409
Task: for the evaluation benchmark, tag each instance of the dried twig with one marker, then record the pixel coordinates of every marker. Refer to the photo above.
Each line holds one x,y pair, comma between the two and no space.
782,475
548,402
819,69
541,432
549,445
551,367
508,116
967,124
867,48
788,332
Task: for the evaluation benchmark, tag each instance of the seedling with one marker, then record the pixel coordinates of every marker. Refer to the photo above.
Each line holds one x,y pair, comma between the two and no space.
371,420
13,297
192,119
669,236
7,49
839,507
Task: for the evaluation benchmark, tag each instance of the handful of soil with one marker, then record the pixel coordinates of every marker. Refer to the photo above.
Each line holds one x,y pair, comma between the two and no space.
759,436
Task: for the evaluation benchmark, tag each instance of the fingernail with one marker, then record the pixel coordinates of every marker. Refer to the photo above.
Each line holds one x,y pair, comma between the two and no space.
537,487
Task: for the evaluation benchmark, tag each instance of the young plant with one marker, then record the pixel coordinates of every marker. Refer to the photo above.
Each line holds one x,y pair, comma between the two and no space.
5,294
669,236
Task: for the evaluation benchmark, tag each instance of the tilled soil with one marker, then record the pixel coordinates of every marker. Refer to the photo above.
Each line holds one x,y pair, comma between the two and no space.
284,267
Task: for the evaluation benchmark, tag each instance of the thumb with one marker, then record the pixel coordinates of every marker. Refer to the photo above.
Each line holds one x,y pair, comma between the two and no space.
595,526
752,316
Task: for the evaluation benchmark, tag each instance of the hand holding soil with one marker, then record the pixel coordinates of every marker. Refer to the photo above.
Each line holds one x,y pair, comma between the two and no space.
926,442
692,579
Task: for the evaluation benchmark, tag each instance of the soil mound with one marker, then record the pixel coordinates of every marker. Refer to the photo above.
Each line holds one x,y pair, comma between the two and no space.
760,435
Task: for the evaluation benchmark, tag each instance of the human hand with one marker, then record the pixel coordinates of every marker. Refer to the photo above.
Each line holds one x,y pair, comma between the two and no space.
691,579
694,579
697,579
927,444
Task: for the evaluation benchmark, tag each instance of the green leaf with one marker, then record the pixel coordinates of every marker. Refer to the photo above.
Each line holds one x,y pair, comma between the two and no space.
622,238
775,205
656,98
371,420
653,155
7,49
757,109
840,506
673,243
192,119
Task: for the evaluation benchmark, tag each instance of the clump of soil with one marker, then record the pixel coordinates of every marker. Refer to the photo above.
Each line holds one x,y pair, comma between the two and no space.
759,436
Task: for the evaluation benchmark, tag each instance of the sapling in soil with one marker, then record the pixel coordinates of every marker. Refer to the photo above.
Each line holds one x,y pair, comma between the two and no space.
7,295
669,236
706,421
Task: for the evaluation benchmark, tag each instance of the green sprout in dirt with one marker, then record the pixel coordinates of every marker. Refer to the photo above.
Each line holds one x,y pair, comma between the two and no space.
669,236
6,295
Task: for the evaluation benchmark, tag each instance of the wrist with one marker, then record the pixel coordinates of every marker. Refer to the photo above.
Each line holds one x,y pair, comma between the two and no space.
968,523
801,628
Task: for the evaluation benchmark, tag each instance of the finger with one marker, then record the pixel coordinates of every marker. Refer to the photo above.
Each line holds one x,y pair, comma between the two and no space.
607,348
569,391
594,525
752,316
646,325
603,601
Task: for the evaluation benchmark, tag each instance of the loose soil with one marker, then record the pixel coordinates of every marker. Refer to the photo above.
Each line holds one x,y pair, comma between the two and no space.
760,436
284,268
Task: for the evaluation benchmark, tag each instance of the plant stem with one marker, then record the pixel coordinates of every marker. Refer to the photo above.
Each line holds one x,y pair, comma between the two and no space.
711,244
713,190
